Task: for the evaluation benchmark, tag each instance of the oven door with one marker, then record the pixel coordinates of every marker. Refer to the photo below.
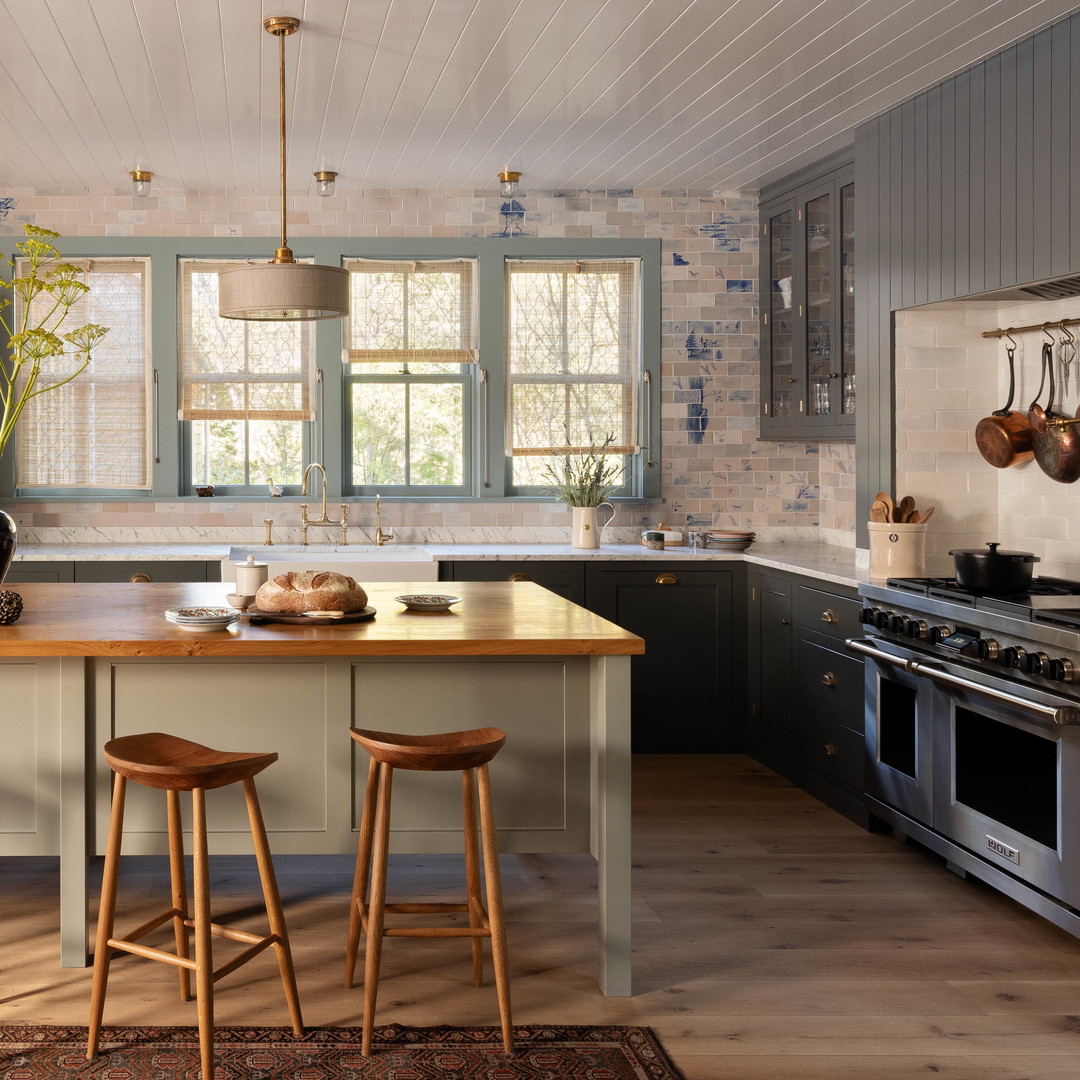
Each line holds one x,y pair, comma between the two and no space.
1008,789
899,710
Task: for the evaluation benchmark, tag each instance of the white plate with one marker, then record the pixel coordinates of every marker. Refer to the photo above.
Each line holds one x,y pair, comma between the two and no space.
201,614
428,601
204,622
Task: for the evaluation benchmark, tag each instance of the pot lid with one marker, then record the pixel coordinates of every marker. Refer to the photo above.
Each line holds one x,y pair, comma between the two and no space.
994,553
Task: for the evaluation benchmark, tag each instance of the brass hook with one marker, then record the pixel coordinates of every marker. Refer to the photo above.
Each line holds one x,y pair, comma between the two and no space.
1047,332
1012,341
1063,327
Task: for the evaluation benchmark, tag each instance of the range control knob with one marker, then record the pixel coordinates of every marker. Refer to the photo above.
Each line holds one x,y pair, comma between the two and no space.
987,649
1012,656
881,618
1060,669
939,633
897,623
916,628
1035,663
866,616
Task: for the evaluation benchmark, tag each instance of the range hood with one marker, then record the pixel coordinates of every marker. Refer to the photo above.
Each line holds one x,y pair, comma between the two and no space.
1052,289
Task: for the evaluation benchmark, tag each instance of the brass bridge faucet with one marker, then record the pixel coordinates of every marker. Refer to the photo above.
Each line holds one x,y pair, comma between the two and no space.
343,521
382,536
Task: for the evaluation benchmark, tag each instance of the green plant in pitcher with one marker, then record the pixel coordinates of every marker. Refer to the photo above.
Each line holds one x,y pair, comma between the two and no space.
585,477
33,363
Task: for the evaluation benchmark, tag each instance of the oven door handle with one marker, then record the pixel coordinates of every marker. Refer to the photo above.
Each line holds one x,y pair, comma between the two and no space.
1060,715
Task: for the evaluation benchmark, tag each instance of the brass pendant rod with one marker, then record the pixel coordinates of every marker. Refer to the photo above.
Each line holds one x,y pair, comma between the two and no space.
281,118
1057,324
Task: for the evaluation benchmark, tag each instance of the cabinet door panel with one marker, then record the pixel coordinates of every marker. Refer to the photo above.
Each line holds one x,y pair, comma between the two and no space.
141,571
684,696
565,578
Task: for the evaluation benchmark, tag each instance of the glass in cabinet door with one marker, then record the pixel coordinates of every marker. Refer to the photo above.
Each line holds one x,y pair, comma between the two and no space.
819,305
783,380
847,299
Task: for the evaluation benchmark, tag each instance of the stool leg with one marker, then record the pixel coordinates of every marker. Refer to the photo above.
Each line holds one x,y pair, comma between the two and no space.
495,907
377,901
178,880
472,872
361,872
204,954
272,899
106,915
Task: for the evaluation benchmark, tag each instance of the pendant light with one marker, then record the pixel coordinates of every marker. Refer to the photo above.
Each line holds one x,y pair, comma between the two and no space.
283,290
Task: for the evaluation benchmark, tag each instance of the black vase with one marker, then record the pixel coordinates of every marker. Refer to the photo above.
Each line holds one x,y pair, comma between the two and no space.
7,543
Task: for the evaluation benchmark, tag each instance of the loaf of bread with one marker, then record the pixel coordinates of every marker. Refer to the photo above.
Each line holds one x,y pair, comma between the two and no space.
310,590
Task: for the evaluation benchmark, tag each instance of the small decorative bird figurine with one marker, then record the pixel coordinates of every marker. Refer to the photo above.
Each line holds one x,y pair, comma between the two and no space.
275,491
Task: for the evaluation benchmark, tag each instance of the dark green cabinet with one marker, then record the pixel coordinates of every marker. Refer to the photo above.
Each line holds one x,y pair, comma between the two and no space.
805,715
25,572
193,570
565,578
687,687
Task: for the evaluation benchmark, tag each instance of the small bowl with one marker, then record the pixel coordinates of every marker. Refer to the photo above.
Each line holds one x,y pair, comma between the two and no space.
241,603
428,601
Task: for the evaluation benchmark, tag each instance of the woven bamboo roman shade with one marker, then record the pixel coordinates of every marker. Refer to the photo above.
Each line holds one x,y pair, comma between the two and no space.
412,311
95,431
572,355
239,370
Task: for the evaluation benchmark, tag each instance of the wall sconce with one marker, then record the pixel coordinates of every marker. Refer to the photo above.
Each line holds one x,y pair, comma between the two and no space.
140,182
508,183
324,183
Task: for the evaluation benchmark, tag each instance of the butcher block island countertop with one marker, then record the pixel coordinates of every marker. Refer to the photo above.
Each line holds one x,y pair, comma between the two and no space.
90,662
493,619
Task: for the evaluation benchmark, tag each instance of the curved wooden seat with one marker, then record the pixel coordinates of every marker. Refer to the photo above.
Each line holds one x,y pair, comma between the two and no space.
173,764
448,751
467,752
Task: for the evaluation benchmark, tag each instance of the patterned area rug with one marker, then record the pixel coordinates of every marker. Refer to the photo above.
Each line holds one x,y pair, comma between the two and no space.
400,1053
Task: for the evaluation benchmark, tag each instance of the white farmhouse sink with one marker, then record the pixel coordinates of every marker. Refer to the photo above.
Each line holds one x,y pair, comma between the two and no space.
365,562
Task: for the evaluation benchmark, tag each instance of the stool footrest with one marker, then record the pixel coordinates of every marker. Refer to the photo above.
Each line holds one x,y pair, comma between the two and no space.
437,931
423,909
148,952
153,924
245,956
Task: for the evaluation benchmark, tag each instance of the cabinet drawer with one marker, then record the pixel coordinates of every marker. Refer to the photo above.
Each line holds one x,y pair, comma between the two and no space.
565,578
128,571
828,747
25,572
829,613
830,680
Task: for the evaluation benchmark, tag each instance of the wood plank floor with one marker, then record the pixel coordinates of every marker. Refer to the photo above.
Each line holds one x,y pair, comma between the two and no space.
773,939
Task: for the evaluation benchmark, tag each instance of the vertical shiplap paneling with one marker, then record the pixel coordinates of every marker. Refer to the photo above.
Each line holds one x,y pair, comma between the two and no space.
1074,145
920,216
895,209
1061,182
932,154
991,224
1007,167
907,203
948,188
962,184
1025,160
976,215
1042,224
868,365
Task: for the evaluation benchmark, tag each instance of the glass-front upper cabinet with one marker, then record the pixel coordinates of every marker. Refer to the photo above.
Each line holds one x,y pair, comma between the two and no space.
808,316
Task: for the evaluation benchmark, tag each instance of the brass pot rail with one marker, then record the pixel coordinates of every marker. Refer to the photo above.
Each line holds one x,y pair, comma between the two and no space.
1007,331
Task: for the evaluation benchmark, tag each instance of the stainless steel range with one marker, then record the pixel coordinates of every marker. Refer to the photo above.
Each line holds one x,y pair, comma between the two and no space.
973,730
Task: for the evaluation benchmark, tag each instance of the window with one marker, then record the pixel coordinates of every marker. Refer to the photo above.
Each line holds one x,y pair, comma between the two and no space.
94,432
573,361
246,389
410,354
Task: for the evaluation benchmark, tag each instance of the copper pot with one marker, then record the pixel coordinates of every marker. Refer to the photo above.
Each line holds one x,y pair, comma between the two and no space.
1004,437
1054,437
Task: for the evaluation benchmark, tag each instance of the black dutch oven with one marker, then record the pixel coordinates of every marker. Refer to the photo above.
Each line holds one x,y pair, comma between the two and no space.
994,571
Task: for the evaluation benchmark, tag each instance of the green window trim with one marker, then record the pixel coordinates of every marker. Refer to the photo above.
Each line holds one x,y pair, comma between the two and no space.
328,434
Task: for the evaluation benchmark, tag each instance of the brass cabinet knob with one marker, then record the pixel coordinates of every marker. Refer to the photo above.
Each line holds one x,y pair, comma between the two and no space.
666,579
785,622
828,679
519,577
139,578
830,749
828,615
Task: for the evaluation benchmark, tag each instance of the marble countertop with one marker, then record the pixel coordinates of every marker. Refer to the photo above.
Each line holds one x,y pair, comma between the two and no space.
822,561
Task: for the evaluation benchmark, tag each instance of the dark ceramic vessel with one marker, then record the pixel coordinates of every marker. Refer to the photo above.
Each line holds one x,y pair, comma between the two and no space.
7,543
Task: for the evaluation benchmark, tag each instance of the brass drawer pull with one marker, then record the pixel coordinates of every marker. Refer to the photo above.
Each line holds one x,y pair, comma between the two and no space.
828,615
139,578
828,679
519,577
830,749
785,622
666,579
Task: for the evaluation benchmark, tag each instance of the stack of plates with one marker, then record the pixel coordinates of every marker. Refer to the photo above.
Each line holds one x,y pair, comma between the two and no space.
730,539
202,618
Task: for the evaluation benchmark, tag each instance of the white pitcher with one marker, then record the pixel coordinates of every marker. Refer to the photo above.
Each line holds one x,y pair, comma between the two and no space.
584,530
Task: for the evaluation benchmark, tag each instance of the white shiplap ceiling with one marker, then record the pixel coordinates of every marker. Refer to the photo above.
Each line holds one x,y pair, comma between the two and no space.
721,94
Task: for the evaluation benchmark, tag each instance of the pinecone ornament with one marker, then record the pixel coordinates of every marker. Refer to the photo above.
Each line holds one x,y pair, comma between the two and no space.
11,605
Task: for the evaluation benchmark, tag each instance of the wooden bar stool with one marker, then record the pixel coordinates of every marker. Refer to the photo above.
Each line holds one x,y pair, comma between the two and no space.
469,752
174,765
